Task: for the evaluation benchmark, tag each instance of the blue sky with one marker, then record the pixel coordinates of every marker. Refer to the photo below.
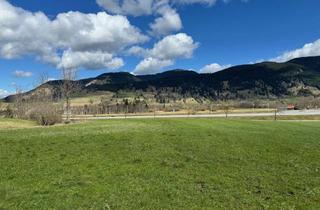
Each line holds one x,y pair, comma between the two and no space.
203,35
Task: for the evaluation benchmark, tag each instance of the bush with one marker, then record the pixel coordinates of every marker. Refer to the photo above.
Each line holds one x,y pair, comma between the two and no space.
9,113
48,119
45,115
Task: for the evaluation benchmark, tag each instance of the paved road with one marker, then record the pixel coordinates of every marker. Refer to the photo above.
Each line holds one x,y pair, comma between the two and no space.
282,113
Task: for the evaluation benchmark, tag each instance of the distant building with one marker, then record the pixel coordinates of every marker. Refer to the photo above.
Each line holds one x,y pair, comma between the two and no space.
291,107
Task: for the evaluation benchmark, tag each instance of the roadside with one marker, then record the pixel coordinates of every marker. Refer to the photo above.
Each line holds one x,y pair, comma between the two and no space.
270,115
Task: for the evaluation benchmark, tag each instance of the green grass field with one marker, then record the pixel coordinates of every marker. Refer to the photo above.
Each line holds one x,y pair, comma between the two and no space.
161,164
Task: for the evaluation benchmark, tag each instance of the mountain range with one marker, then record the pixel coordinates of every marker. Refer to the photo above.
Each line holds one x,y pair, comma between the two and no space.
297,77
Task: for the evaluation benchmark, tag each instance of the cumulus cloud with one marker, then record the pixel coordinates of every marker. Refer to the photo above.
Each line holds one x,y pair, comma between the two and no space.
208,2
127,7
51,79
151,65
20,74
136,51
21,34
73,33
3,93
89,60
174,46
310,49
169,22
143,7
213,68
165,52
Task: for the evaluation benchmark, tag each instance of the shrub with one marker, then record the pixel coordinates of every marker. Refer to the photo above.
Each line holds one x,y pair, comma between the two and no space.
49,119
45,115
9,113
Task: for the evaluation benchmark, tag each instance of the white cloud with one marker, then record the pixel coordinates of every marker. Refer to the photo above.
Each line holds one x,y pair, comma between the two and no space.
151,65
89,60
22,73
143,7
136,51
26,33
208,2
51,79
169,22
165,52
213,68
83,32
310,49
174,46
127,7
21,34
3,93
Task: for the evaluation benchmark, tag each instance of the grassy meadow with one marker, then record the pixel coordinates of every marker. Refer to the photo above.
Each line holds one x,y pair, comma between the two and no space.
160,164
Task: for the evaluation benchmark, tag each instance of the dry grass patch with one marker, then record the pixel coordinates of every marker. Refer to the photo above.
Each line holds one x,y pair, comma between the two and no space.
14,123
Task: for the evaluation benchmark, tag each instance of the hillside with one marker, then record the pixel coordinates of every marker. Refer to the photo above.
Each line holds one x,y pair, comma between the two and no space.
298,77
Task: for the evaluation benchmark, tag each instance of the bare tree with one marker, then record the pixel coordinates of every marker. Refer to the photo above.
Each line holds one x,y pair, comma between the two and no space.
1,109
43,77
43,108
18,106
42,94
69,87
225,90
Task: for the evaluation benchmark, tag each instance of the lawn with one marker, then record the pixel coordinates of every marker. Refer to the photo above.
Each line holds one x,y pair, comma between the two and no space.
162,164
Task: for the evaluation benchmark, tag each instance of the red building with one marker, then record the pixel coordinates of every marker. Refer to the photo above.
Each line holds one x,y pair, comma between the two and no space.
291,107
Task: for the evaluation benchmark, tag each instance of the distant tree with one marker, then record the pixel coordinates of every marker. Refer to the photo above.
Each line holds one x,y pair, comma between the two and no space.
42,78
225,89
305,102
91,101
18,106
226,110
105,103
41,106
1,108
225,94
42,94
69,87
